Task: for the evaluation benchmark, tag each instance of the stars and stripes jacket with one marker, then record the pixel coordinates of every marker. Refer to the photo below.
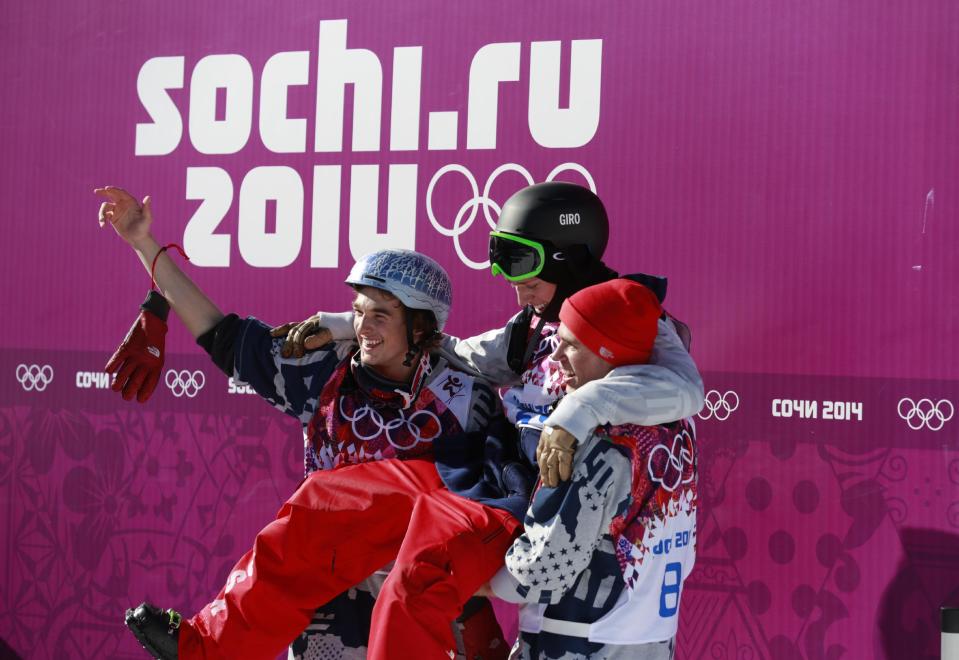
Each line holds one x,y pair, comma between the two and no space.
603,556
349,414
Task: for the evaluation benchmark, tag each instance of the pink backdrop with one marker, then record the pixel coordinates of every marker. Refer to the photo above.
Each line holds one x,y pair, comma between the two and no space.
789,165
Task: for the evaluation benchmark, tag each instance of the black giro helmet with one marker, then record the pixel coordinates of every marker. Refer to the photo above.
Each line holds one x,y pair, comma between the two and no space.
562,214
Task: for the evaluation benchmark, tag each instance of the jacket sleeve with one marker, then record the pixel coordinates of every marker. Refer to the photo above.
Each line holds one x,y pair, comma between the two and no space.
340,324
564,525
484,354
291,385
666,389
483,405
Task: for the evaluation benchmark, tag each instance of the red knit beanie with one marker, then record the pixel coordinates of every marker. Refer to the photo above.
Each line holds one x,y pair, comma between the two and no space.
616,320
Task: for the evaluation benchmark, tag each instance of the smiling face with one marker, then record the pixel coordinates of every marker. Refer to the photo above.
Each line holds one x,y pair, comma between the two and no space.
535,292
379,321
579,364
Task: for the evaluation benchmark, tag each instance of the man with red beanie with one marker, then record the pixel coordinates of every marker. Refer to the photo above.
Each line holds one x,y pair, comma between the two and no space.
600,566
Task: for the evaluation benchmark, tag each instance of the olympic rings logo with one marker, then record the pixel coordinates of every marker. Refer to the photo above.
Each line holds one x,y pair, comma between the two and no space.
677,458
925,413
719,406
468,211
184,383
33,377
547,345
415,431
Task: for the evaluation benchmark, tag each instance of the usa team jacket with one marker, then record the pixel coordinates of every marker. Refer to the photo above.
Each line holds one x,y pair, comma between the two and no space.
349,414
603,557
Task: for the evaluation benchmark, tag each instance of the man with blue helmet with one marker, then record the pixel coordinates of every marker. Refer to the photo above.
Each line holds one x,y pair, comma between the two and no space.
391,398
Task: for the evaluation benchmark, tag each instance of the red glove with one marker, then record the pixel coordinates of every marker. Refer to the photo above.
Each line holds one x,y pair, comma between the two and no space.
138,361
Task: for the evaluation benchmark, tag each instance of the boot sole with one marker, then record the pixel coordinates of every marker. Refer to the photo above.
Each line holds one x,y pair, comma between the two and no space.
134,625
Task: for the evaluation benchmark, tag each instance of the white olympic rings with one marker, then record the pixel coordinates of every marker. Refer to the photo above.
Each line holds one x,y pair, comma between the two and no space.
472,205
719,405
926,413
547,345
382,426
184,383
674,459
33,377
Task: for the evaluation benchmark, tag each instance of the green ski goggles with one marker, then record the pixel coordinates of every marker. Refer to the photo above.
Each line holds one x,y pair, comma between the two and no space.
514,257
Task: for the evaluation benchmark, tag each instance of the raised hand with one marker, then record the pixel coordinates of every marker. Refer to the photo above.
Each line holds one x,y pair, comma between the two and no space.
129,218
132,221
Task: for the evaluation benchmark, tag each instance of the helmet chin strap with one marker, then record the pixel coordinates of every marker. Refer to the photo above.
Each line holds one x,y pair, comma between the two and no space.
413,348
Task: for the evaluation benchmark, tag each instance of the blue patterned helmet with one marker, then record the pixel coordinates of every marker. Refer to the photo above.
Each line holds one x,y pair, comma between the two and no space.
415,279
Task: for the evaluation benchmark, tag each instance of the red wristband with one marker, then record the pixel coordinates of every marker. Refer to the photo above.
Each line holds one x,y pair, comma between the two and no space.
153,268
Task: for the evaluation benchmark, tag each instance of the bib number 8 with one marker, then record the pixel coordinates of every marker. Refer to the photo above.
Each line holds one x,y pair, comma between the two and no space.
669,593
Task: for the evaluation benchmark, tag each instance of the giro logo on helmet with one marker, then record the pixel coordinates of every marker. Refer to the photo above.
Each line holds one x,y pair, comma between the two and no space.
569,219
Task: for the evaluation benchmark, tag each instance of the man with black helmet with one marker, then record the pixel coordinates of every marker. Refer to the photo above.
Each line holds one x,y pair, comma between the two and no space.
548,244
556,232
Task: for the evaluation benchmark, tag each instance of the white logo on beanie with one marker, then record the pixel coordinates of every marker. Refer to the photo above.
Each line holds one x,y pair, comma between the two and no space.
605,353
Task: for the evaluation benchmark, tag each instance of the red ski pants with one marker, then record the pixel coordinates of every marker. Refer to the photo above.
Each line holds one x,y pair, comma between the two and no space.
338,528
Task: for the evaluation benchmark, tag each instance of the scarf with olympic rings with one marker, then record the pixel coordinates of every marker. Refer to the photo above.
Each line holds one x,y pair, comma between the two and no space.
357,423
